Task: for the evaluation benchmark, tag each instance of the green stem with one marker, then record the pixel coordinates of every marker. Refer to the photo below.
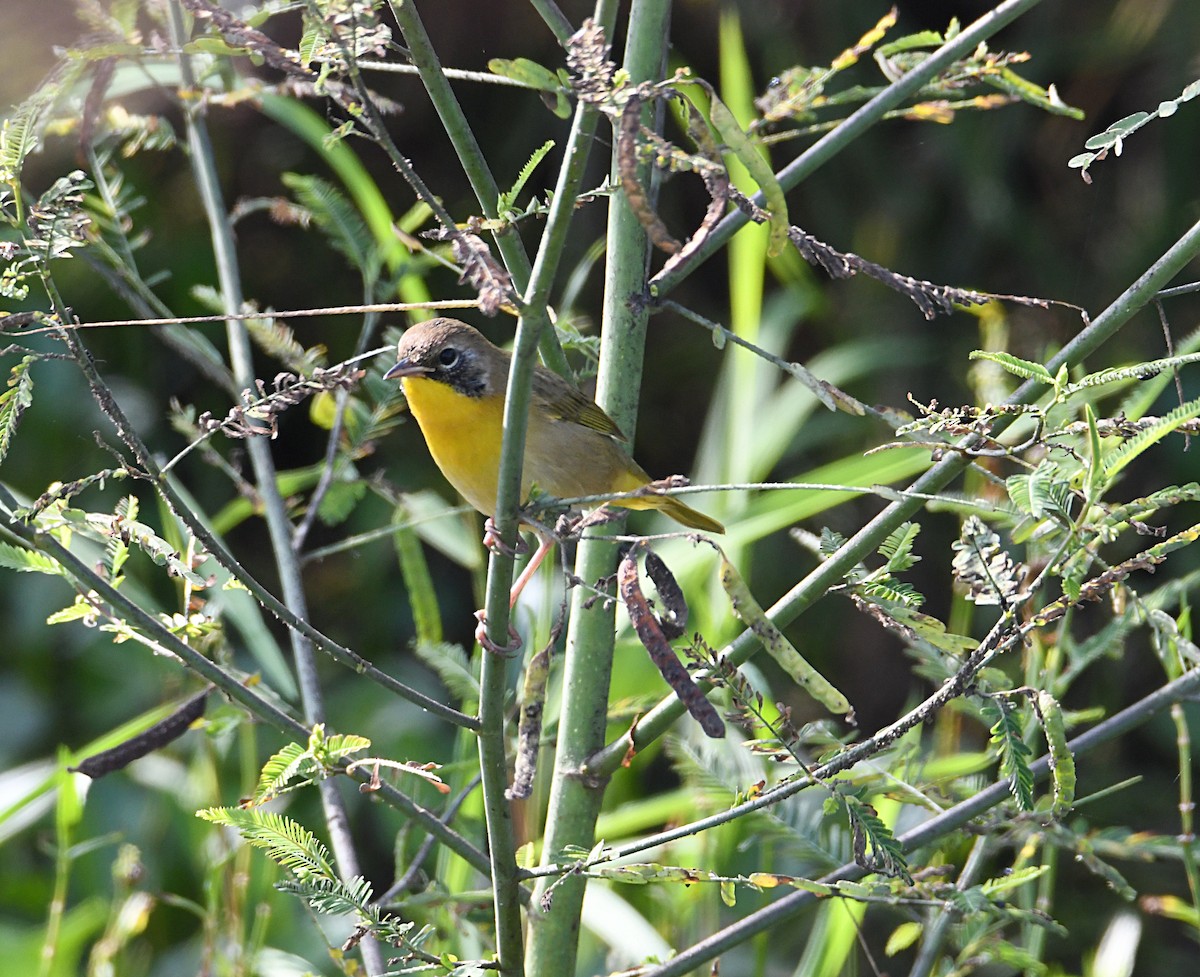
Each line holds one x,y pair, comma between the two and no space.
1187,803
575,800
534,322
1035,936
49,961
555,19
831,572
493,767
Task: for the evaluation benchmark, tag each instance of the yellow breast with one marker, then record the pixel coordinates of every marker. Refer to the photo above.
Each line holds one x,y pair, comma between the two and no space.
463,434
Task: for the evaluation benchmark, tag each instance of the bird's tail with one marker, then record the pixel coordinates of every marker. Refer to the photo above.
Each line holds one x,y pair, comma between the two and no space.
671,506
686,515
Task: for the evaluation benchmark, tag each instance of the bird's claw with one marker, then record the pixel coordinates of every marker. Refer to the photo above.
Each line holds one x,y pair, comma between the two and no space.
492,540
487,644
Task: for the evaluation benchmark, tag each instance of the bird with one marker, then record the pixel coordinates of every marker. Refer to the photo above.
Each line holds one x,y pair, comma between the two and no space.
454,380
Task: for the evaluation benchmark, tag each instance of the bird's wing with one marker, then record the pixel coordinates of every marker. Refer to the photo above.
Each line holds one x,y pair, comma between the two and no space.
563,402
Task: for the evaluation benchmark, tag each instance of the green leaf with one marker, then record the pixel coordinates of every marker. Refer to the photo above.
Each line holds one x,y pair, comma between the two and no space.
897,548
1014,880
893,591
14,401
1043,492
453,667
1026,369
29,561
1094,483
339,746
875,847
1062,760
340,500
286,842
437,523
923,626
777,646
749,154
553,86
159,550
902,937
1147,438
728,893
831,541
508,199
1047,99
281,768
527,72
80,610
1014,755
337,218
1137,371
418,582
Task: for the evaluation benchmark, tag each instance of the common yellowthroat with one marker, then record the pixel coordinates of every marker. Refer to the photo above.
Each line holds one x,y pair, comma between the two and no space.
454,380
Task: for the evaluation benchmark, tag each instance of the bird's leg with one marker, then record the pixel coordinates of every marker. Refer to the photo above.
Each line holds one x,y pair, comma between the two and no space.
545,544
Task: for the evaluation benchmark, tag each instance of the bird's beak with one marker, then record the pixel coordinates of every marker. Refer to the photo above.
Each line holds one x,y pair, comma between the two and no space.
406,368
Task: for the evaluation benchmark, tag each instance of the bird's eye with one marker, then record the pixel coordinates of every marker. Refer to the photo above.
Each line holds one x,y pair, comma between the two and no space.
448,356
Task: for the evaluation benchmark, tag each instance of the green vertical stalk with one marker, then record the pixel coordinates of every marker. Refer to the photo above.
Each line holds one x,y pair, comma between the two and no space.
575,800
1187,803
66,816
1034,936
534,323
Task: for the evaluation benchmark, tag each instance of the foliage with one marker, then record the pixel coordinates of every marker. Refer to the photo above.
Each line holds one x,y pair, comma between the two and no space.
233,556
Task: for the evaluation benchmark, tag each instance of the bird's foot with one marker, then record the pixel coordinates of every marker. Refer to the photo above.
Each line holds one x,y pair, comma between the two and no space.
492,540
487,644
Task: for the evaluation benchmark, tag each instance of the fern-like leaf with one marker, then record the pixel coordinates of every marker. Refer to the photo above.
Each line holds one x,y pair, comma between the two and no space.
453,667
14,401
277,340
831,541
1143,440
875,847
508,199
1138,371
1025,369
337,218
281,769
1042,492
286,842
892,591
159,550
897,548
1014,756
116,550
1062,760
28,561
